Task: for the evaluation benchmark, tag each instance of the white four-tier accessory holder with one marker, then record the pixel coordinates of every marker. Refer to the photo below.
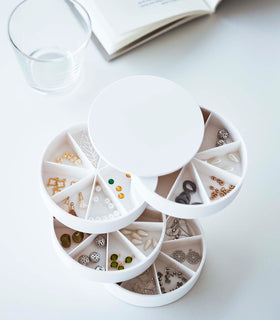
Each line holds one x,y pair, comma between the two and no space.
147,142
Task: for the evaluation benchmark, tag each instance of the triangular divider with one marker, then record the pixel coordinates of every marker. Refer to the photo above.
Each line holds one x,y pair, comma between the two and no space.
61,229
103,205
88,246
220,157
188,173
207,171
73,189
179,249
145,236
122,247
162,262
145,283
213,124
82,139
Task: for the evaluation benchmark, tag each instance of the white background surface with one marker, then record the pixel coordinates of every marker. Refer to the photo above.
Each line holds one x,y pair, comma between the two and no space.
230,62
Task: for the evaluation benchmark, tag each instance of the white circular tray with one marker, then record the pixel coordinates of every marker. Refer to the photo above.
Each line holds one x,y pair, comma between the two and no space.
210,161
118,242
145,290
102,210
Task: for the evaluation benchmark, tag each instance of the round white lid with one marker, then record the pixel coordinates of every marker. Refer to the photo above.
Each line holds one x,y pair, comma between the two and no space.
146,125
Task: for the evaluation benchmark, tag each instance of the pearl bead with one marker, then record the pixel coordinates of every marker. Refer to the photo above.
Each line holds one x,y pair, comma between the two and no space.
95,199
110,206
107,200
98,189
116,213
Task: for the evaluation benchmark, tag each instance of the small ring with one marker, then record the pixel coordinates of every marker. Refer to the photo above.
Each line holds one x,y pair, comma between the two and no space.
191,184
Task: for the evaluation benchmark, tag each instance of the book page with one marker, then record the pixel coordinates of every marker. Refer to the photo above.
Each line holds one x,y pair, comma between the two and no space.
124,16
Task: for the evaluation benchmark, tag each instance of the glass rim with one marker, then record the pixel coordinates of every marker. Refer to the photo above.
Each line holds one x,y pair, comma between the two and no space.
83,44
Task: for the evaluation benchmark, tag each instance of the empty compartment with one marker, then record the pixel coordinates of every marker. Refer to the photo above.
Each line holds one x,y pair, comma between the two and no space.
180,228
213,125
170,274
72,238
187,251
150,215
179,194
121,253
92,252
166,182
145,283
144,235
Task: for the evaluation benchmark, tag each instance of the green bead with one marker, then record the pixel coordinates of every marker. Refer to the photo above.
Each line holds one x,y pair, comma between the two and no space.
120,267
111,181
114,257
65,240
128,259
114,264
78,236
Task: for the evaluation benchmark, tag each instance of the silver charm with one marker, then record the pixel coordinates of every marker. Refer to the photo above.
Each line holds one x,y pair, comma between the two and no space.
100,241
176,228
100,268
220,143
222,134
94,257
193,257
179,256
84,260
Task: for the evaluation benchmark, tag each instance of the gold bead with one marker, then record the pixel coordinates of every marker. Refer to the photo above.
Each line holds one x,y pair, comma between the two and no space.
119,188
58,159
121,195
128,175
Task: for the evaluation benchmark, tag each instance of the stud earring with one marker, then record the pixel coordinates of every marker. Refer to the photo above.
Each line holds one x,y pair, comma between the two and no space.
65,205
72,210
65,240
82,204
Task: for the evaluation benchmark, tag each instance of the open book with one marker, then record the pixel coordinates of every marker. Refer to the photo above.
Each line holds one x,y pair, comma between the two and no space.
121,25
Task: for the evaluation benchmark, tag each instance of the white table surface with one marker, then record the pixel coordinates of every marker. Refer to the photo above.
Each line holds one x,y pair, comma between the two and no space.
230,62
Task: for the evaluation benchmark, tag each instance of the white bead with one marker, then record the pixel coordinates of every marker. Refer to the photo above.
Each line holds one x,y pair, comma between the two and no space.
98,189
232,157
95,199
136,242
142,233
126,232
230,169
214,161
136,236
91,218
111,216
97,218
104,217
154,242
107,200
111,206
147,244
116,213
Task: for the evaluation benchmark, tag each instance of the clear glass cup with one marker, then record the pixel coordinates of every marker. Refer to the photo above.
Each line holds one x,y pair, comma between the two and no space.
50,38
